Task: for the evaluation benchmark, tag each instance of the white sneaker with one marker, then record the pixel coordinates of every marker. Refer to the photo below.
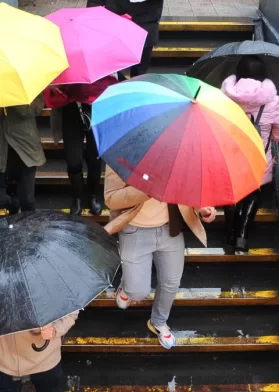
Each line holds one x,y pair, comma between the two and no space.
122,299
165,336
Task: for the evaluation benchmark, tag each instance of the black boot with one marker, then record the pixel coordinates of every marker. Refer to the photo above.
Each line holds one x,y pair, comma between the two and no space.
250,207
78,185
94,205
10,203
231,219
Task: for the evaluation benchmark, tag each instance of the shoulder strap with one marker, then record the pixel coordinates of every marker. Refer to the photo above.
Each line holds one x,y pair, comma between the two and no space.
268,143
259,116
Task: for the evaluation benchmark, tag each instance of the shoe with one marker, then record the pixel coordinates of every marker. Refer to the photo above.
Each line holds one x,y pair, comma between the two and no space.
165,336
77,183
11,204
122,299
76,207
242,246
229,247
95,205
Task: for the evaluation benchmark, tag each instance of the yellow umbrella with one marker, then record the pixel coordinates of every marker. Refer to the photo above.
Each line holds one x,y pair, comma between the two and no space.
32,55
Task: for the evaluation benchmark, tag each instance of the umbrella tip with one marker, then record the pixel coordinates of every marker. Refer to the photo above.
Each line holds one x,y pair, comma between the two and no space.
196,95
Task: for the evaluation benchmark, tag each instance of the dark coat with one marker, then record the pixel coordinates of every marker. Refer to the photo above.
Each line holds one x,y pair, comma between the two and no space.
18,129
146,14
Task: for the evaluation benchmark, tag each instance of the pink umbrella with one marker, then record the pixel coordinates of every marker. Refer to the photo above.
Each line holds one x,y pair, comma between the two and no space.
97,42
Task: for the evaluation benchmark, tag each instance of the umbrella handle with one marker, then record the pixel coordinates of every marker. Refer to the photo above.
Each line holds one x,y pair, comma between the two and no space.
40,349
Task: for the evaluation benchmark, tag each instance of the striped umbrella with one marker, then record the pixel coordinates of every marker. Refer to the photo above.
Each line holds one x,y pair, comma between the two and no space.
178,140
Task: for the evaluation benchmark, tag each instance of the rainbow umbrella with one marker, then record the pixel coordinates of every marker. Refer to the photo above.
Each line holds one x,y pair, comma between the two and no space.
179,140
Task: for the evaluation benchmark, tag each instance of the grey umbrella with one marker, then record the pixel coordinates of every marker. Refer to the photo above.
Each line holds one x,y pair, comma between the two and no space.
217,65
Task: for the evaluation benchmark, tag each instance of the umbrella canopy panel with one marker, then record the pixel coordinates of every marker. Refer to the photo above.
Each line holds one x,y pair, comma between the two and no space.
97,42
51,264
217,65
32,55
178,149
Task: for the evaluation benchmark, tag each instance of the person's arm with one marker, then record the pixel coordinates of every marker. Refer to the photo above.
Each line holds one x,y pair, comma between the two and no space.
37,105
95,3
34,109
60,327
118,195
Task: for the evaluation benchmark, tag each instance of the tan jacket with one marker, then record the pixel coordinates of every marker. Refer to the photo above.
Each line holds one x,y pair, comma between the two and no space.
126,201
18,359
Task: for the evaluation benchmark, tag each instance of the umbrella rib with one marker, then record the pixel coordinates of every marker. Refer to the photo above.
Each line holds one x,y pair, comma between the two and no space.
27,285
58,274
81,236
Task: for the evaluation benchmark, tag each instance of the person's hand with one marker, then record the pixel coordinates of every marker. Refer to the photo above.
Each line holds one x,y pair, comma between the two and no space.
208,214
48,332
57,91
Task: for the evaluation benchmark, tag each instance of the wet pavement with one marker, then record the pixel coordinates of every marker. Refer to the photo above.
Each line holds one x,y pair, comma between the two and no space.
184,8
174,370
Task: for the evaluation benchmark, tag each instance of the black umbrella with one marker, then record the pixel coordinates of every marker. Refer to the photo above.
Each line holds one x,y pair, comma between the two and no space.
217,65
51,264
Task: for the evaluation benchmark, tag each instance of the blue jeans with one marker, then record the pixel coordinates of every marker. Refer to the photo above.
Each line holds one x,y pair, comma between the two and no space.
138,248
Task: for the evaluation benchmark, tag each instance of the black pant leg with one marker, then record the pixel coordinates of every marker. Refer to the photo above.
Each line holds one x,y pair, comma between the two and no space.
7,384
4,198
73,136
26,188
142,67
250,206
94,165
232,214
50,381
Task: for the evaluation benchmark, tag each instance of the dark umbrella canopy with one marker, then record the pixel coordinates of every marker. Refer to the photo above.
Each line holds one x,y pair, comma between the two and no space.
51,264
217,65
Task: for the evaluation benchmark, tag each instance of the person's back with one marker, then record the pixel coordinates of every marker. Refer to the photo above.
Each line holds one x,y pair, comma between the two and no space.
145,13
251,94
20,154
19,361
253,91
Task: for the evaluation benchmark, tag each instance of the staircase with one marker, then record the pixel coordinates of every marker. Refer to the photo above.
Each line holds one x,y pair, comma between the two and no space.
225,314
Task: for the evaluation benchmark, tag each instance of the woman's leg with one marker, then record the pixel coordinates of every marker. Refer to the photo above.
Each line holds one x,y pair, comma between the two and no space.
7,384
136,251
51,380
73,136
93,174
250,206
169,262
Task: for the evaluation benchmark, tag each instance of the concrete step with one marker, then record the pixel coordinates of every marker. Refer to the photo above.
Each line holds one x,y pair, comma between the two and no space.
211,284
197,330
191,372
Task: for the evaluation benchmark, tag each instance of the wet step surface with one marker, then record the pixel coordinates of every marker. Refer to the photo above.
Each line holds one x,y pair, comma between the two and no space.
215,285
174,372
200,39
200,329
62,199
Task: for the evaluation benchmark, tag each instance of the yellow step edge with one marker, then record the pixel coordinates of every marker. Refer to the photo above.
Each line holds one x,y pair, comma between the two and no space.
186,388
180,51
209,26
196,293
190,341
